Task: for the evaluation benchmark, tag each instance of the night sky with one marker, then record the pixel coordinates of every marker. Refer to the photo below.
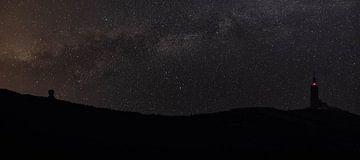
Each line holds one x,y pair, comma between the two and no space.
185,57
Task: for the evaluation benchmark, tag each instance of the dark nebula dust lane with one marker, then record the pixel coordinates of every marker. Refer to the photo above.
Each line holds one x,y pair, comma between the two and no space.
182,57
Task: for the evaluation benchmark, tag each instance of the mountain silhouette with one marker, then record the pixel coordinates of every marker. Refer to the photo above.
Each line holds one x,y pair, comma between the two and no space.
38,125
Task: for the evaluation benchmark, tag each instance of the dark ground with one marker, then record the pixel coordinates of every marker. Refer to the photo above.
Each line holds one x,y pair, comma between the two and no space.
41,127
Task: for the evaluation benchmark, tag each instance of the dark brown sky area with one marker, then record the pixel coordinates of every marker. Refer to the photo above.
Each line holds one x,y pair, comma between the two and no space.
166,57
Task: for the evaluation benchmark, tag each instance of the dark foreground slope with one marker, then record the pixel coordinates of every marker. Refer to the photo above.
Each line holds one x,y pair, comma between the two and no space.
38,126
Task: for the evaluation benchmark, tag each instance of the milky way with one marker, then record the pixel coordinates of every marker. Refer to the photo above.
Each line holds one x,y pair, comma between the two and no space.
182,57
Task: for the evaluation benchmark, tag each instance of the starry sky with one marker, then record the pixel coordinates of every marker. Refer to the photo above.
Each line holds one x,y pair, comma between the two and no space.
182,57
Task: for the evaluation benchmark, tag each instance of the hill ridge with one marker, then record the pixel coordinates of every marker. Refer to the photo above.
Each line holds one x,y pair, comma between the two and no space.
40,123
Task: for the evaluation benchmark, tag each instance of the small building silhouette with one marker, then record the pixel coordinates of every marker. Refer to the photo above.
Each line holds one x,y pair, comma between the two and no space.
315,101
51,93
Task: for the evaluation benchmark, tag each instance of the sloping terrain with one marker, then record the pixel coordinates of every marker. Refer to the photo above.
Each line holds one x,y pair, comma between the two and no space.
38,125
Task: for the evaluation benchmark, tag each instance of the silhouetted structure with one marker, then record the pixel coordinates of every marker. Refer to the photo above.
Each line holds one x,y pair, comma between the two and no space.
315,101
314,98
51,94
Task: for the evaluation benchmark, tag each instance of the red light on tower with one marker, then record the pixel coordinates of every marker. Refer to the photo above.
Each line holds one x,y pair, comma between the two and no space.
314,81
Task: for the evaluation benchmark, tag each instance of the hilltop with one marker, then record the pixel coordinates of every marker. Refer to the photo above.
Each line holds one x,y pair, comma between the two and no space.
40,125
